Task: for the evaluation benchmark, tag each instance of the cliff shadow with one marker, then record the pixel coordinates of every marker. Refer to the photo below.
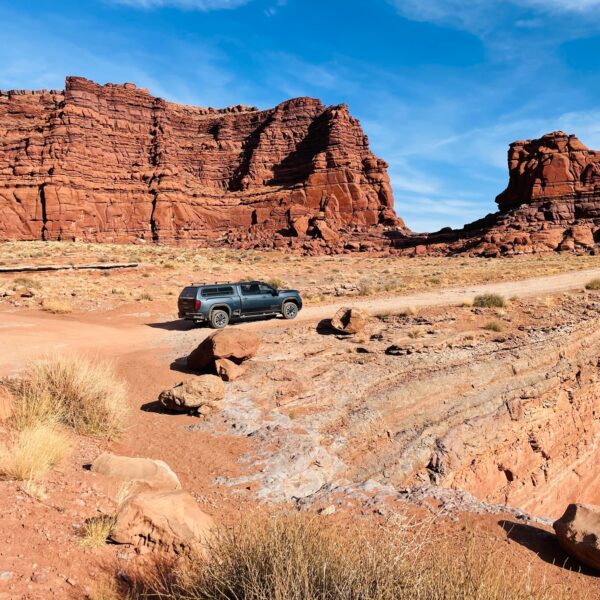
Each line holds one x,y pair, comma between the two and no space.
545,545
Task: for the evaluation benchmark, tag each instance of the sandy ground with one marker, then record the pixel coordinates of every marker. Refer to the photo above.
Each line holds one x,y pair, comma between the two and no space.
143,340
26,334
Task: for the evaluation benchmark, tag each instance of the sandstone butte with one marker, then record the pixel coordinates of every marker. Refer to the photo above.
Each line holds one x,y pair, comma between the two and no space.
552,202
112,163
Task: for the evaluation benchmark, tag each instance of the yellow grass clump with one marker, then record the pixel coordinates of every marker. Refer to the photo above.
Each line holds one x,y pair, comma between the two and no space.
83,395
594,284
96,531
33,452
489,301
308,558
57,306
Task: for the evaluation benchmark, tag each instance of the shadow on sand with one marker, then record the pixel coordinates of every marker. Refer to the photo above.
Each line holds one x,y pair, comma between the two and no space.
544,544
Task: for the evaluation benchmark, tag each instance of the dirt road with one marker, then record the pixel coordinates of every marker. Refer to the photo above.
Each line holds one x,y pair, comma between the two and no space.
27,334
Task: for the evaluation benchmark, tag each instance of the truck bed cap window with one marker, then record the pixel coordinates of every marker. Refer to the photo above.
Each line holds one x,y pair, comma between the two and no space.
216,291
189,292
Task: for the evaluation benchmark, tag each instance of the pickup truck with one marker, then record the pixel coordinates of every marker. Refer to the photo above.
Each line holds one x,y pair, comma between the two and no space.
220,303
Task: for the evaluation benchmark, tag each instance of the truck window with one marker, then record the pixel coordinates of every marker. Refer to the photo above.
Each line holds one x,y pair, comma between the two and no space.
226,291
250,289
266,289
189,292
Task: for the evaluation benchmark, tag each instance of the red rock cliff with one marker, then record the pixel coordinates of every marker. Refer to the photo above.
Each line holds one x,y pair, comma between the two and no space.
552,202
114,164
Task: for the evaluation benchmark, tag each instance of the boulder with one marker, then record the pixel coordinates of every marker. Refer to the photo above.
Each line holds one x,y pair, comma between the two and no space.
578,532
138,473
350,320
235,344
191,395
228,370
170,522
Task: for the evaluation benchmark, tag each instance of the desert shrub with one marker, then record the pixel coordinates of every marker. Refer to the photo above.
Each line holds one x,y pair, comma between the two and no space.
96,531
415,333
365,288
33,452
304,558
57,306
276,283
84,395
145,296
489,301
493,326
594,284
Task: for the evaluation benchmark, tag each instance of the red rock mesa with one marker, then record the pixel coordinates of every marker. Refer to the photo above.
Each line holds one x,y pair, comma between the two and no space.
552,202
112,163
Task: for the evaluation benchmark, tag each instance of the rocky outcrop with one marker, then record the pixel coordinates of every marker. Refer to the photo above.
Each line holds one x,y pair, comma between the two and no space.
112,163
200,395
235,345
169,522
578,532
552,202
350,320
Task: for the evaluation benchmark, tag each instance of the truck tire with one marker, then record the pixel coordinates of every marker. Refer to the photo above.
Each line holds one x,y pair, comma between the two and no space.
219,318
289,310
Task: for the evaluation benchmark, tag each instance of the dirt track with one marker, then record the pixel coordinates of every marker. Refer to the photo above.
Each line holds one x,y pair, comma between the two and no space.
26,334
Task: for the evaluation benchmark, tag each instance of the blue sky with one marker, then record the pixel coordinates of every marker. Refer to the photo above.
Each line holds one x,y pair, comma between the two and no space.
441,86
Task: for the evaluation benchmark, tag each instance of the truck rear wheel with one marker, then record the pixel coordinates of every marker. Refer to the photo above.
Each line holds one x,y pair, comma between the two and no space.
219,319
289,310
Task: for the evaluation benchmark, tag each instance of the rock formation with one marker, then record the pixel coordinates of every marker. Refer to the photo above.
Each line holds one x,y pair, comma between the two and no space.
112,163
552,202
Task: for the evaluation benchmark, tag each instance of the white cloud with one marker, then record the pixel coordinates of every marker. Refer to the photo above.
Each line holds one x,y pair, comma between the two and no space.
482,16
202,5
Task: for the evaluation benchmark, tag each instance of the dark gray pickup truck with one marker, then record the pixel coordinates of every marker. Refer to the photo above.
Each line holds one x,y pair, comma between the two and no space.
220,303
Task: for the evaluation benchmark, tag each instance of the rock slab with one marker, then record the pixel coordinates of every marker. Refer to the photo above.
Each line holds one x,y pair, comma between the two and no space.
137,472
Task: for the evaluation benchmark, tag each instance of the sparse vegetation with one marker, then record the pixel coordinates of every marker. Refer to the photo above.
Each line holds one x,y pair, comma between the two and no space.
145,296
302,558
276,283
493,326
489,301
96,531
57,306
594,284
33,452
84,395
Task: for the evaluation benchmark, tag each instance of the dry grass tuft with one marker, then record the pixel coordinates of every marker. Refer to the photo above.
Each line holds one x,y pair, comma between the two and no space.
489,301
96,531
309,558
33,452
86,396
594,284
493,326
57,306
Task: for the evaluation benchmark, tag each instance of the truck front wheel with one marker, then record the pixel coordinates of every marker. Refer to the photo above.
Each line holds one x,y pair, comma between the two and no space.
290,310
219,319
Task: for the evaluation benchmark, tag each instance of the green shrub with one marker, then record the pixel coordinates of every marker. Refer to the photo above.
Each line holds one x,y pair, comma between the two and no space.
489,301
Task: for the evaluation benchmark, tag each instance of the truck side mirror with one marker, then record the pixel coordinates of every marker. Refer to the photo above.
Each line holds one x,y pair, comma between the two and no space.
275,292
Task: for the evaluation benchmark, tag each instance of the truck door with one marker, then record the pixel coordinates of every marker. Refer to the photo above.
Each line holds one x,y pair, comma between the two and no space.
270,297
251,298
258,298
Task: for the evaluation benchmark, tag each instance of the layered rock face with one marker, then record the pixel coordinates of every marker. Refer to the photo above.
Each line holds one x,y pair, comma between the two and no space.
113,163
552,202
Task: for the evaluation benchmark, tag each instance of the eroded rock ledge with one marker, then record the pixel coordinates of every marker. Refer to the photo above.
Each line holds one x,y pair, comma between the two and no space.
112,163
